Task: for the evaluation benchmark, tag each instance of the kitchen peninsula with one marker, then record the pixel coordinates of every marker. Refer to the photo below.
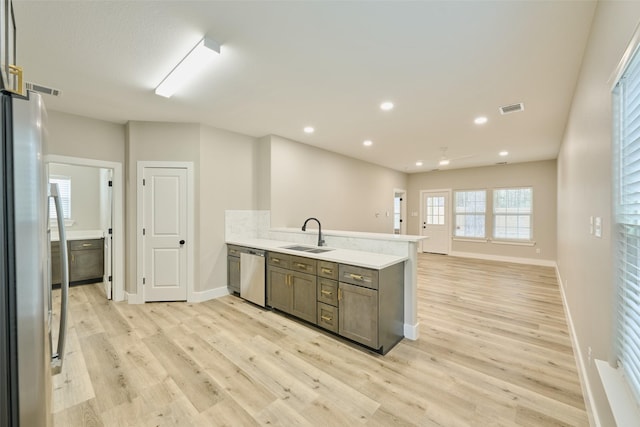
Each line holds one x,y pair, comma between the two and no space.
395,255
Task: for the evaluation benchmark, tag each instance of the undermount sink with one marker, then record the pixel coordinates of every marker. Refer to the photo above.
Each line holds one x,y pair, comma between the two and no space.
309,249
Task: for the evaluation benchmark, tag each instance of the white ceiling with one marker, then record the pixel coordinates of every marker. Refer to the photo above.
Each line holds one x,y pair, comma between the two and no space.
328,64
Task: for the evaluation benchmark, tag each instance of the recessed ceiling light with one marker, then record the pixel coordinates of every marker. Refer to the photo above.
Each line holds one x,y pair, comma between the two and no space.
504,153
309,129
418,163
444,162
367,143
480,120
386,106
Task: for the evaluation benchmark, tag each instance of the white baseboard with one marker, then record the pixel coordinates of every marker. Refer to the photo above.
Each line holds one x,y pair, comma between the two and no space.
134,298
592,410
411,331
516,260
209,294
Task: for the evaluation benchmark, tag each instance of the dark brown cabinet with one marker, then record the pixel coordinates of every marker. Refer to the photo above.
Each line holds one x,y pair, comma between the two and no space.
371,305
362,304
358,314
233,268
292,290
86,261
56,275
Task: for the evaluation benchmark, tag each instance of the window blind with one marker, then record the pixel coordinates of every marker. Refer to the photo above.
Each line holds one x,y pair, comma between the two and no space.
470,213
64,188
626,156
512,208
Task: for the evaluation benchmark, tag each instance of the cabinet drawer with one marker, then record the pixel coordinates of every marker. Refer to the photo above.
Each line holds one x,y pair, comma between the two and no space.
359,276
328,269
278,260
327,291
79,245
328,317
233,250
302,264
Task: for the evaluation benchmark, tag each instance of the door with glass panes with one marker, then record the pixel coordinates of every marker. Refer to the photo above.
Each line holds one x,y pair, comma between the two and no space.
435,221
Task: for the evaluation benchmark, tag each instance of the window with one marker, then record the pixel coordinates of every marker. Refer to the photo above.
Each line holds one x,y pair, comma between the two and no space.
512,209
470,213
626,154
435,210
64,186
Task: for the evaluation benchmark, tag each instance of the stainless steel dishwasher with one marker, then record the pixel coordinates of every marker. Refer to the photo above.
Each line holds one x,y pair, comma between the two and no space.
252,271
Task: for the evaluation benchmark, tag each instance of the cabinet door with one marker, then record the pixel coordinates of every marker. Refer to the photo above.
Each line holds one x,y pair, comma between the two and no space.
304,300
86,264
278,289
233,273
358,314
55,263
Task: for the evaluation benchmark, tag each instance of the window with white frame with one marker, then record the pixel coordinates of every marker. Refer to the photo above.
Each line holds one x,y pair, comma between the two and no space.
626,181
64,188
435,210
470,211
512,211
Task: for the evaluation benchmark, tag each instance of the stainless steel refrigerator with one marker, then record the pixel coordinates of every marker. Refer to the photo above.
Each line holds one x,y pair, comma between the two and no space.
27,358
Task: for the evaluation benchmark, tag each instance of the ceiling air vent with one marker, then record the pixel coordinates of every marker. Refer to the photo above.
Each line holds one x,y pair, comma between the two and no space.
501,163
513,108
43,89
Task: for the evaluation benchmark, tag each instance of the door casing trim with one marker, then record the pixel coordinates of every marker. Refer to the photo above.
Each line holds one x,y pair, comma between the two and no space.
141,166
117,221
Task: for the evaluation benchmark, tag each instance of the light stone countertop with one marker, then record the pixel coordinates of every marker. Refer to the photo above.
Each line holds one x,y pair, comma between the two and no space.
78,234
343,256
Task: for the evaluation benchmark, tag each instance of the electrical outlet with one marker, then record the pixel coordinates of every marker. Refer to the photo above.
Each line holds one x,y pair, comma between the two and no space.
589,354
537,250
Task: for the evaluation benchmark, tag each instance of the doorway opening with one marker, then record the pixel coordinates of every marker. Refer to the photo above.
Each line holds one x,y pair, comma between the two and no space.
399,211
93,209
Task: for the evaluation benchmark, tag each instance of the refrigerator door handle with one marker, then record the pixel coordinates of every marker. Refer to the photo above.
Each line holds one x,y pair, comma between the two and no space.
57,358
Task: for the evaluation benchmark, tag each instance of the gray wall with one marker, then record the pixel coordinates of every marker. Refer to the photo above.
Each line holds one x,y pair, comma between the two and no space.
584,190
227,181
154,141
539,175
76,136
342,192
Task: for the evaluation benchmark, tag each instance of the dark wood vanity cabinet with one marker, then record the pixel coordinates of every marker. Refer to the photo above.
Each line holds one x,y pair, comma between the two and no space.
86,261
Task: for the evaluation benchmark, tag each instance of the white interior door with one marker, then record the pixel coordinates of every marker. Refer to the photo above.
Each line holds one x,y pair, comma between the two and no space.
435,222
399,212
165,233
106,222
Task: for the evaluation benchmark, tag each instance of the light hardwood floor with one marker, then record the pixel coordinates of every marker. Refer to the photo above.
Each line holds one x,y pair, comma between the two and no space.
494,350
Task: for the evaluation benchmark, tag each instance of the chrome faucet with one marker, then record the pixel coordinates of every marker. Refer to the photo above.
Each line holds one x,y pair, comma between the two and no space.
304,228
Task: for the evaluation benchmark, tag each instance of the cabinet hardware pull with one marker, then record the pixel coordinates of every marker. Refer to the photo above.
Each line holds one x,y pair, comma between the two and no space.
339,294
73,258
276,260
327,270
301,265
326,318
84,245
356,276
289,279
324,292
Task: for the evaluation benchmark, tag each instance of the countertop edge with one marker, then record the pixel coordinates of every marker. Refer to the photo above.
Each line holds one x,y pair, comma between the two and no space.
359,234
344,256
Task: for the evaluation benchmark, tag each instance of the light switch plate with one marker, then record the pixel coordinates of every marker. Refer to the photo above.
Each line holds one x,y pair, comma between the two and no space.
598,227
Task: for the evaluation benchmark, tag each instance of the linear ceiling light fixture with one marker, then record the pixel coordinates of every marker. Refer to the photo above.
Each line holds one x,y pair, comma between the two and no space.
196,60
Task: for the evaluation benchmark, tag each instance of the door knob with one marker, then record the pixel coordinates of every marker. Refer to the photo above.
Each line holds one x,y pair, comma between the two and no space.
182,242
